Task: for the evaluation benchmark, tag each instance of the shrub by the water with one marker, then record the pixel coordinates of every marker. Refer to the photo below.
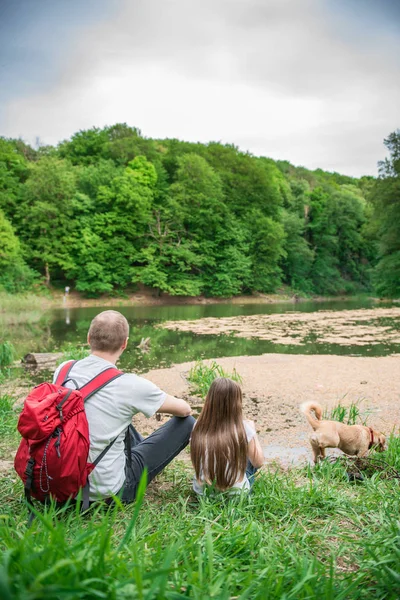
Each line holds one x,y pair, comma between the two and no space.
202,375
345,414
6,354
73,352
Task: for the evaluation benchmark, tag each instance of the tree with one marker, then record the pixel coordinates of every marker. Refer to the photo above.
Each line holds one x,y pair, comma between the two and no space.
385,197
298,257
44,218
15,275
14,171
266,250
210,228
352,249
85,147
321,233
108,243
109,208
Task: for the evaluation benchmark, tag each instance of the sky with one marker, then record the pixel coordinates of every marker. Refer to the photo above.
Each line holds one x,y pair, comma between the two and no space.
314,82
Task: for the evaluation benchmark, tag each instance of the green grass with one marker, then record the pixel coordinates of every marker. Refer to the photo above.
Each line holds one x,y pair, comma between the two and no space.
9,437
20,308
7,353
303,534
202,375
350,415
73,352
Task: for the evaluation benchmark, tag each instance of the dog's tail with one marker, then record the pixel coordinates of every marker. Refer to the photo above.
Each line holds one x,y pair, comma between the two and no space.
307,407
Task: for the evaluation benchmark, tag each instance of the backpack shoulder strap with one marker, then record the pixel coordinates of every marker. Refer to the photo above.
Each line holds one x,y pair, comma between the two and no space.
65,369
98,382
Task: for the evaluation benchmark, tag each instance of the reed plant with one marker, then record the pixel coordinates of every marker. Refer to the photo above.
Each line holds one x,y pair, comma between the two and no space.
202,375
9,437
15,303
350,415
7,354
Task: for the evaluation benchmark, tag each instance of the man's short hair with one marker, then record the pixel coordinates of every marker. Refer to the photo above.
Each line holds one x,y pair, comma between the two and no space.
108,331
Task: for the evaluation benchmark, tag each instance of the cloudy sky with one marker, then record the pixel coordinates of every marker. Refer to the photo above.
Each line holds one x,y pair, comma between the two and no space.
315,82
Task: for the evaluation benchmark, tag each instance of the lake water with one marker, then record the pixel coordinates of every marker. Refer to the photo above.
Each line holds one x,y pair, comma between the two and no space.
59,327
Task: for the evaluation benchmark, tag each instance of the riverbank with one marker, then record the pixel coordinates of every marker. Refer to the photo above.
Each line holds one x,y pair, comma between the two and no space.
274,385
148,297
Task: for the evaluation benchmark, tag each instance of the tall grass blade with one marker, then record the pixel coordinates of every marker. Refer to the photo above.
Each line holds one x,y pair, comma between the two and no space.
137,505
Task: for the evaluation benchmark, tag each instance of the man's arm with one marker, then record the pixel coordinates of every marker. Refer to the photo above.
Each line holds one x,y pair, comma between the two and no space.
175,406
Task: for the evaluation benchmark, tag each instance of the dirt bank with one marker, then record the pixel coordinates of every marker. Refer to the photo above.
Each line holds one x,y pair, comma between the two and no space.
274,386
149,297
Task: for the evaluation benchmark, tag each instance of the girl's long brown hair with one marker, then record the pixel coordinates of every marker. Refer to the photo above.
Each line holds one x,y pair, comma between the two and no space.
218,446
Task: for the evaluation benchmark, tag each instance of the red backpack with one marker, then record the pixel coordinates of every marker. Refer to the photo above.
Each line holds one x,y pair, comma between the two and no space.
52,458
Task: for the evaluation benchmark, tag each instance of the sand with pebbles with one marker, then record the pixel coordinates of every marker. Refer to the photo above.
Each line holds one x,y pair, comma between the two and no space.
274,386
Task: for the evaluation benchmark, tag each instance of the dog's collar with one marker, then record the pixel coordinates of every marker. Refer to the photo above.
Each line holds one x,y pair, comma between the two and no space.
371,442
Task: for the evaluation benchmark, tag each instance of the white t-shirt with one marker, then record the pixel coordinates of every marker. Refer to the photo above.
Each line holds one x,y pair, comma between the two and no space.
109,413
242,484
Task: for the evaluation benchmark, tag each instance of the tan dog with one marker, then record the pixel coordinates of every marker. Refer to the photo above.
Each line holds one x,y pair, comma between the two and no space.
354,440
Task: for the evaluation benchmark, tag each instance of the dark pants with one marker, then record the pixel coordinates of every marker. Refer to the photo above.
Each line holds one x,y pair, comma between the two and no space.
154,452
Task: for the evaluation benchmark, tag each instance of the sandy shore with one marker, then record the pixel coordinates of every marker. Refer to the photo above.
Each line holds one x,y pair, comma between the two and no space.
274,386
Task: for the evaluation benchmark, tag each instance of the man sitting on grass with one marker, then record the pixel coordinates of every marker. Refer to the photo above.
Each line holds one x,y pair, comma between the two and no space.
110,410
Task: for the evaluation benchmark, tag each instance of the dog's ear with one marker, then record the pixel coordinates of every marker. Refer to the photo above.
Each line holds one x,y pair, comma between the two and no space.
381,442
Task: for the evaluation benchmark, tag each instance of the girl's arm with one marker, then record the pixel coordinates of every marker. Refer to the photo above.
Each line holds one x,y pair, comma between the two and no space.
255,452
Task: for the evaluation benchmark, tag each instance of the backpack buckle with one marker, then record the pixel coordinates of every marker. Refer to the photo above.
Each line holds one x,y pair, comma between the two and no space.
57,434
60,404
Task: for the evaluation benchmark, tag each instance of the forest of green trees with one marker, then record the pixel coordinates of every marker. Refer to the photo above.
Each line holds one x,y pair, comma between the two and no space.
109,209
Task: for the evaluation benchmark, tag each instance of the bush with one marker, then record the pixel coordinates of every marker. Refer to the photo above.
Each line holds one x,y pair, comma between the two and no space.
18,278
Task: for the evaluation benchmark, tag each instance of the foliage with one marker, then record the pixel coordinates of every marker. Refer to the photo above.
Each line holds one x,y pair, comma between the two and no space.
346,414
385,196
73,352
15,275
202,375
109,208
298,257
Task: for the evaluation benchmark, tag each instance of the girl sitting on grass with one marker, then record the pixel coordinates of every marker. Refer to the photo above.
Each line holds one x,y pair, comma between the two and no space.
224,448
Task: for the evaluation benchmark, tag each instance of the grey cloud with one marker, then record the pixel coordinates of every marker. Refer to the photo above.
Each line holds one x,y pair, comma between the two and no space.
302,48
345,65
297,47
